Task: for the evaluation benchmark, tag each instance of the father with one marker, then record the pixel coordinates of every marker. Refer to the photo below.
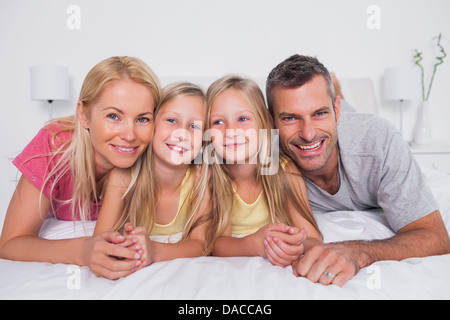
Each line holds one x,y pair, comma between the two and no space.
351,161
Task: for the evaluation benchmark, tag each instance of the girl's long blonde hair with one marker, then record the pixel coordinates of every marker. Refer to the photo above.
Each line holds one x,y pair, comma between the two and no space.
142,200
275,187
77,154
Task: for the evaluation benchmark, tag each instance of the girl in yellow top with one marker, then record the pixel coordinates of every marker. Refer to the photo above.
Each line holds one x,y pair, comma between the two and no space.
170,194
266,209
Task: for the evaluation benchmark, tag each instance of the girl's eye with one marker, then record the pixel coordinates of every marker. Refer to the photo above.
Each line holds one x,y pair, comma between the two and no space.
172,120
242,119
218,122
195,127
113,116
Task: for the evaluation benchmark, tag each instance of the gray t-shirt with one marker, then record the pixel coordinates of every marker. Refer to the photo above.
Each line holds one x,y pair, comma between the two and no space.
376,170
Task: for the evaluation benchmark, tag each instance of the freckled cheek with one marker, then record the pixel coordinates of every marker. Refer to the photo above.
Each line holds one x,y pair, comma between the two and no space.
197,140
102,133
145,134
217,139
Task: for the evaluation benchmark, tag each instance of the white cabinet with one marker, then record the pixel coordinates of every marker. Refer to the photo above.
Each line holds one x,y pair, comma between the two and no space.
436,156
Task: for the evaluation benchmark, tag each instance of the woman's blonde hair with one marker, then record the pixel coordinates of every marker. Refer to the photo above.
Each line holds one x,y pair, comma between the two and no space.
140,205
77,154
275,188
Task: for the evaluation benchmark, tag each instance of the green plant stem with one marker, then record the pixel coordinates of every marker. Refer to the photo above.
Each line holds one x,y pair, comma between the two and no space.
441,61
418,57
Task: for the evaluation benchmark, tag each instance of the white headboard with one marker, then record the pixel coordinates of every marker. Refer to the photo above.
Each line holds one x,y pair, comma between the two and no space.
359,92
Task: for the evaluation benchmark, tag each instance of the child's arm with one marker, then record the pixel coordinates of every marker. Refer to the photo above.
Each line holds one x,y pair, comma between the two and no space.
154,251
113,201
253,244
280,251
193,246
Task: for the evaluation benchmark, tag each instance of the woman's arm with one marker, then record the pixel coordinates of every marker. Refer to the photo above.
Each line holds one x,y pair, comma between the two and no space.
19,240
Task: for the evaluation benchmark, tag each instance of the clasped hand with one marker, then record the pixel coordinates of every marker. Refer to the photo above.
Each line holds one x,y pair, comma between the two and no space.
320,263
282,244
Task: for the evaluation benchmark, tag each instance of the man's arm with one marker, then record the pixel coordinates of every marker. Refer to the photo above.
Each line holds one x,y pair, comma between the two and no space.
342,260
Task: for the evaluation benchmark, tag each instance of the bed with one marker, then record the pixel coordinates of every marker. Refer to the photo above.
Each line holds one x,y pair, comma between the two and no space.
244,278
237,278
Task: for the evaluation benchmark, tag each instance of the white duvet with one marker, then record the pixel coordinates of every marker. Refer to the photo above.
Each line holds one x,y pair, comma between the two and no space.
241,277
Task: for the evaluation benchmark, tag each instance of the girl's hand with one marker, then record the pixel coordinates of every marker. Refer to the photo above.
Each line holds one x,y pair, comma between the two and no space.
282,233
283,252
141,243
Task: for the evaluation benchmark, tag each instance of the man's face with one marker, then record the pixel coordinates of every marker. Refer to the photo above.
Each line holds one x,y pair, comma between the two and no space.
308,125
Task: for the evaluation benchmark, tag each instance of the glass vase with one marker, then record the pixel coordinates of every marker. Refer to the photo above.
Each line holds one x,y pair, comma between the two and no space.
423,132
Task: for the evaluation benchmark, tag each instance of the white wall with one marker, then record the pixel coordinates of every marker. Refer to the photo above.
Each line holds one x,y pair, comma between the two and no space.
210,38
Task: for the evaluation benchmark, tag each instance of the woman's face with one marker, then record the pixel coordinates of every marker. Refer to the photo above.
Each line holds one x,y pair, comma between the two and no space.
179,130
234,128
120,124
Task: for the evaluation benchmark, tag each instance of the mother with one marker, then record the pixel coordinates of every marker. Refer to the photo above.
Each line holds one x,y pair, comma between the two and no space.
65,167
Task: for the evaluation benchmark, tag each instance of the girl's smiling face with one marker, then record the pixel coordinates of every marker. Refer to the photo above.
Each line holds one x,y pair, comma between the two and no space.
179,130
234,128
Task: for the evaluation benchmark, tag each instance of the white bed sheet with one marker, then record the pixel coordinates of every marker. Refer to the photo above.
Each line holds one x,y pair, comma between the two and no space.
213,278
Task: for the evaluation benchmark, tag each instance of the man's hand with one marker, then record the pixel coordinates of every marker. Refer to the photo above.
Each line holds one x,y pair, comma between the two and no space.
332,263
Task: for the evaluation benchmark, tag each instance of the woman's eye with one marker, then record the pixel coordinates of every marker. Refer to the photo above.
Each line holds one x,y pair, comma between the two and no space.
143,120
113,116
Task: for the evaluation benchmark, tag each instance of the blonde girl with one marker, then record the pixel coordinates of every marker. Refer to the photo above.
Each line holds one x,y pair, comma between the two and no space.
169,196
267,211
64,168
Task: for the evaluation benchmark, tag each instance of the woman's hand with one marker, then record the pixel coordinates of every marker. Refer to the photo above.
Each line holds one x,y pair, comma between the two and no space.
109,255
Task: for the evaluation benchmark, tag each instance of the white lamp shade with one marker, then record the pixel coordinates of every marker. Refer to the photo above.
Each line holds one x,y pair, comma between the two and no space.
49,83
401,83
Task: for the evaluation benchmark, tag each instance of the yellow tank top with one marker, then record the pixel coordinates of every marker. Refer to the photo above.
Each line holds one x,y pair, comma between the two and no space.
179,222
248,218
